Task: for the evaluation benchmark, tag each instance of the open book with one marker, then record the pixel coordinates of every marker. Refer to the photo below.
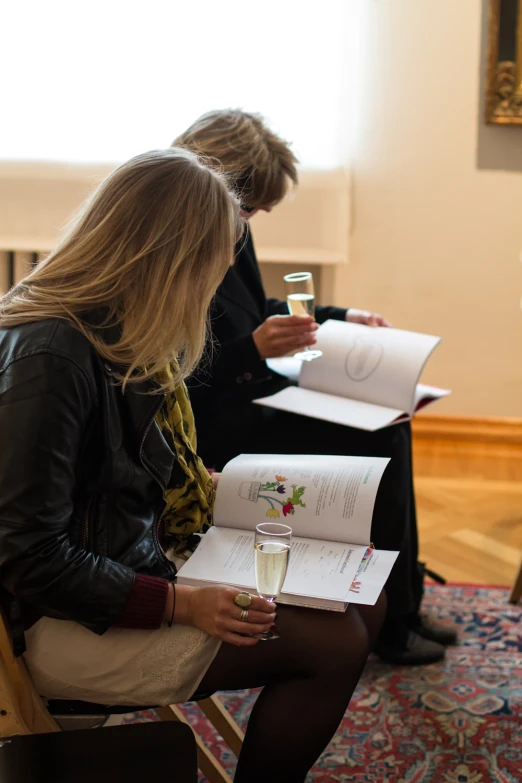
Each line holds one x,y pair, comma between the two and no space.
366,378
327,501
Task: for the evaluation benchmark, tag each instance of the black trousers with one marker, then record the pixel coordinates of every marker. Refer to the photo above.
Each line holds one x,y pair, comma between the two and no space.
254,429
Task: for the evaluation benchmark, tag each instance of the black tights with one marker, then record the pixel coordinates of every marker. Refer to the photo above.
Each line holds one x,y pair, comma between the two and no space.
308,676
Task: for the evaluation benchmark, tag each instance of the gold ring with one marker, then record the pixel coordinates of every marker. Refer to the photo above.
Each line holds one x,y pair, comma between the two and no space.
243,599
244,616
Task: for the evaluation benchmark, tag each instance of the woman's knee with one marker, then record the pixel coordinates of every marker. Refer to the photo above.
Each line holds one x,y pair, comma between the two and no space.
337,642
378,611
373,617
313,643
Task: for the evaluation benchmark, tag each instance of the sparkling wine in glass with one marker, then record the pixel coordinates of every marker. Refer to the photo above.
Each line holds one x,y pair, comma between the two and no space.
271,553
300,297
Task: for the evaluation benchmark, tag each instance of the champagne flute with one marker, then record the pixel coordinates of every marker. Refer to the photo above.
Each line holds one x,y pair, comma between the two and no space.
271,552
300,297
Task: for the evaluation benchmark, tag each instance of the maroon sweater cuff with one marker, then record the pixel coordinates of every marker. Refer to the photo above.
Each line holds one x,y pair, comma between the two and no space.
145,605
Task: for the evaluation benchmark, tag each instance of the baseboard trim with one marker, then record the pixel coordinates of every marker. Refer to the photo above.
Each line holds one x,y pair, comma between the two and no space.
477,429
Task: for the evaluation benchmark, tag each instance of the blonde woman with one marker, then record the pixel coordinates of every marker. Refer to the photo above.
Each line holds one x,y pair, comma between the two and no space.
98,447
249,328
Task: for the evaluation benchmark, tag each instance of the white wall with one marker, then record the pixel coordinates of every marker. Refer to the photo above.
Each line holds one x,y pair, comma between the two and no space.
436,242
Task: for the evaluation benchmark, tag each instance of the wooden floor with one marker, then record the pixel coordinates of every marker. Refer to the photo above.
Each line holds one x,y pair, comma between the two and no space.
469,503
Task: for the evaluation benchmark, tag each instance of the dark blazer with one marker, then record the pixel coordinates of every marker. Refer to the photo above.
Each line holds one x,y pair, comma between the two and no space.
233,372
83,469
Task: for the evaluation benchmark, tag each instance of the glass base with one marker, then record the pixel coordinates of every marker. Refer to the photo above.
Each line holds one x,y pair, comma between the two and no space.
267,636
307,356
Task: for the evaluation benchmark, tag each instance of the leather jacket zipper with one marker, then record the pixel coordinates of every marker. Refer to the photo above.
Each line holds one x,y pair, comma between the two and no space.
85,532
157,521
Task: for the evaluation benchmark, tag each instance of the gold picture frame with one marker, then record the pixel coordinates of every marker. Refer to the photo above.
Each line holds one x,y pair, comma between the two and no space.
504,71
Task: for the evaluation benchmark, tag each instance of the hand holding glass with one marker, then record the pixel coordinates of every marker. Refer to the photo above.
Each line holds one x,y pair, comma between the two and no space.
272,550
300,297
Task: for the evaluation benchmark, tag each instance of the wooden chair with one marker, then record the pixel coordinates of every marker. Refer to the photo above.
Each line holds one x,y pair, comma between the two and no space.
23,711
516,593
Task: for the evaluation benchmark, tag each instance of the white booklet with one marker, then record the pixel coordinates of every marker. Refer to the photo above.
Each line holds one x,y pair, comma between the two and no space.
327,501
367,377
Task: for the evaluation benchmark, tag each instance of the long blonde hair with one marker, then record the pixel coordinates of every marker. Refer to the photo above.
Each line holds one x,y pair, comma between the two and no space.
260,163
149,248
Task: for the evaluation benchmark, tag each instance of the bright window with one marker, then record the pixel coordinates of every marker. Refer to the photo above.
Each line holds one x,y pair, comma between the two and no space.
100,81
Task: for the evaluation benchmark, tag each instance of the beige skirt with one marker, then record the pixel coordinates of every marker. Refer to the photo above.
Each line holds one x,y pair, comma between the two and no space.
123,666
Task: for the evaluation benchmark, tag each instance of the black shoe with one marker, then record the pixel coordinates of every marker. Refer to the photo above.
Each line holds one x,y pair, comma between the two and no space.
415,651
435,632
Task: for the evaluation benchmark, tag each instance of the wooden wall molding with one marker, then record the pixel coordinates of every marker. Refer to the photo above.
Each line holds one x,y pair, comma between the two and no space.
476,429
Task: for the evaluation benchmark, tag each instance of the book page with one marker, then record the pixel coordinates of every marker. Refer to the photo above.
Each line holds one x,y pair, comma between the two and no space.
375,365
318,496
331,407
424,395
316,568
371,576
287,366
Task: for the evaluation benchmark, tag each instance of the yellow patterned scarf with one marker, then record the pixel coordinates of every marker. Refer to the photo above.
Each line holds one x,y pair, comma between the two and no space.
190,497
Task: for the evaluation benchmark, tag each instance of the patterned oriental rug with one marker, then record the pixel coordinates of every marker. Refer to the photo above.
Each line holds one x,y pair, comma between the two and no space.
455,722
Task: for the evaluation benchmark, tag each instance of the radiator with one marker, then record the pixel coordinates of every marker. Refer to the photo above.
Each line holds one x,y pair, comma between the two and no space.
15,264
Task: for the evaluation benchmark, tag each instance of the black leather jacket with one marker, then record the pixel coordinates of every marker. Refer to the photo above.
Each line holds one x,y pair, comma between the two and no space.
83,469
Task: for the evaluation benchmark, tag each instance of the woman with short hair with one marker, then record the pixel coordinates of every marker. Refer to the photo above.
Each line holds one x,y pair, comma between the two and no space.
249,328
98,451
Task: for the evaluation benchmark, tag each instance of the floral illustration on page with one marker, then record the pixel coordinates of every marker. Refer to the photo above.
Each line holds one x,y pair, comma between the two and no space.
275,494
355,587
